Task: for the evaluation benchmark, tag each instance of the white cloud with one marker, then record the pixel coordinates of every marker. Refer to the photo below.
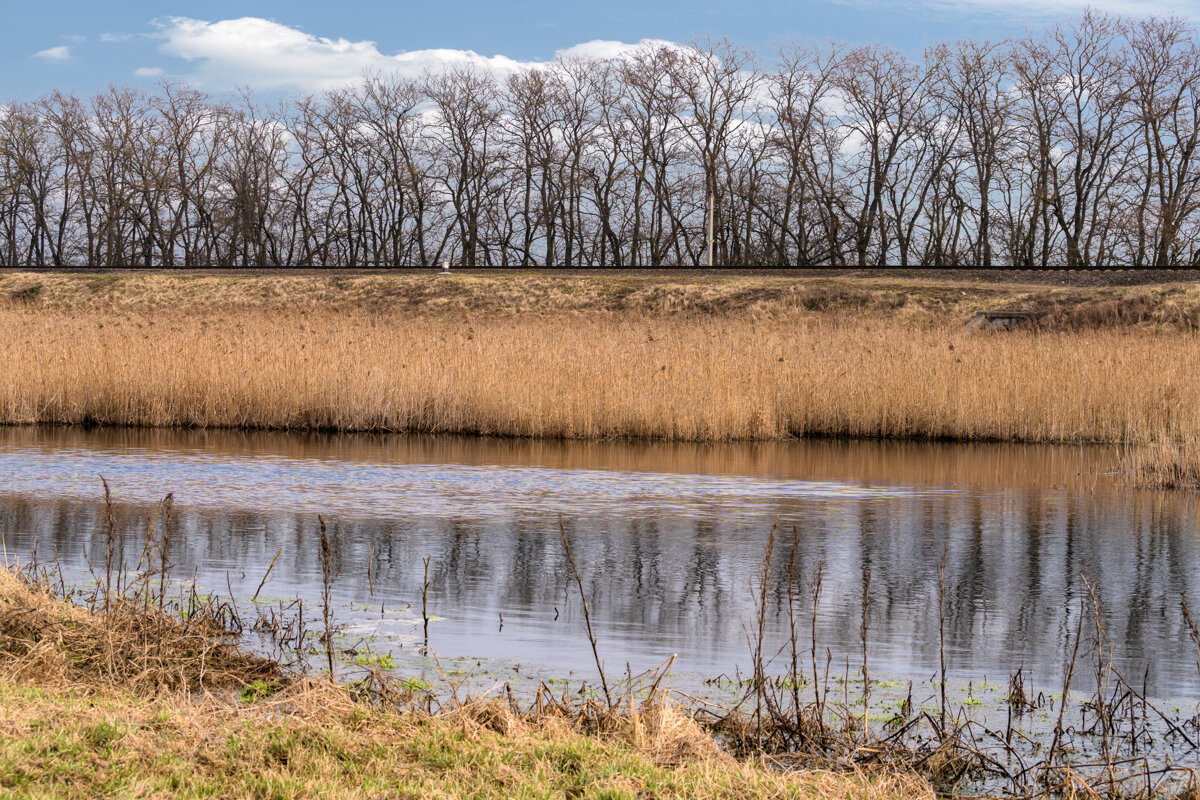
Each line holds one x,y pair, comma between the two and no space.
265,54
60,53
601,48
149,72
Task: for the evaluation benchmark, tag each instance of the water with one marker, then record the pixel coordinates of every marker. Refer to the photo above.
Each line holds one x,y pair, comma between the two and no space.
670,540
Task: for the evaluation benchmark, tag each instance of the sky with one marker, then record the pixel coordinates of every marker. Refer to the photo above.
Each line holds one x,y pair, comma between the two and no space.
283,47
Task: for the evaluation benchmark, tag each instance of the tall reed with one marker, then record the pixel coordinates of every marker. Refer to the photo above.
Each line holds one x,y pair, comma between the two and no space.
697,378
1165,464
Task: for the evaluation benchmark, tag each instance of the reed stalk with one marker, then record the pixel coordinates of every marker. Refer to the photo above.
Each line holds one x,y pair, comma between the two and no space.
791,577
110,538
815,588
862,630
266,574
941,593
425,602
760,607
587,617
328,575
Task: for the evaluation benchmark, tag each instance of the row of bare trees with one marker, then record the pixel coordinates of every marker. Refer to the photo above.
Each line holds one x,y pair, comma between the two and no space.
1075,147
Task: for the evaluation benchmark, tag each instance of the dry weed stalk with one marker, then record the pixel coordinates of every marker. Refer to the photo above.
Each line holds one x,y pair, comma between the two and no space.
164,558
328,575
1068,678
587,617
795,675
425,601
266,574
110,538
941,594
1193,628
947,746
760,613
815,587
863,629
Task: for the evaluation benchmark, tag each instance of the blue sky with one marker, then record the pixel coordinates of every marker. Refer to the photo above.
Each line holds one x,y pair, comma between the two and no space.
280,46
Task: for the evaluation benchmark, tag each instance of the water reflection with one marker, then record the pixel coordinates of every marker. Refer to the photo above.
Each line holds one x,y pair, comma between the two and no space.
670,538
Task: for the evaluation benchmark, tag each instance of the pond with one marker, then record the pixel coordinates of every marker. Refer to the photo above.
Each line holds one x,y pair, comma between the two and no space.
669,539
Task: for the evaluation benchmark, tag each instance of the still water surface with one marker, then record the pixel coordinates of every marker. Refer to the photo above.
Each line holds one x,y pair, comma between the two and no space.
669,538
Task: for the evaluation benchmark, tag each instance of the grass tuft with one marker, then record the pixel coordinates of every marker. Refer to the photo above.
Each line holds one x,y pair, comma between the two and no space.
1165,464
134,645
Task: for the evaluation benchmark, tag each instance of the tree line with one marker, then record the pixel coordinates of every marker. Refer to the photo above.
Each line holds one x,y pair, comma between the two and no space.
1075,146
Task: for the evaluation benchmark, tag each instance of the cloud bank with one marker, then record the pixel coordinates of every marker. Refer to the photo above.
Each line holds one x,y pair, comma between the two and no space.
264,54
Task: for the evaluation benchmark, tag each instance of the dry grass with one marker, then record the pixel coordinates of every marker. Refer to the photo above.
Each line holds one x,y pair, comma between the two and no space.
132,645
1064,299
1165,465
70,744
696,378
76,730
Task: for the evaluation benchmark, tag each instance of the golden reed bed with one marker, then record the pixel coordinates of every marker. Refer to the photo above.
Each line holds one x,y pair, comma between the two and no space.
698,378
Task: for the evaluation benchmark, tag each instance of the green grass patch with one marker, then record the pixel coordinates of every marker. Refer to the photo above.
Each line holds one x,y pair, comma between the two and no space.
77,743
380,660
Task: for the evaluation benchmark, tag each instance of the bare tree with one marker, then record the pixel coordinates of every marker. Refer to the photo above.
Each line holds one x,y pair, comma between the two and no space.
1164,72
973,80
469,149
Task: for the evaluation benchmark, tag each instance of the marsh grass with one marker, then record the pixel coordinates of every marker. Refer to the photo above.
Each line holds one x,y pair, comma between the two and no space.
595,376
1165,464
1099,746
700,358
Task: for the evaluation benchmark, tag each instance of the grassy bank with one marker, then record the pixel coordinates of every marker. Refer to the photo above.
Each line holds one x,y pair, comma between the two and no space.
700,359
1058,298
93,705
88,743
